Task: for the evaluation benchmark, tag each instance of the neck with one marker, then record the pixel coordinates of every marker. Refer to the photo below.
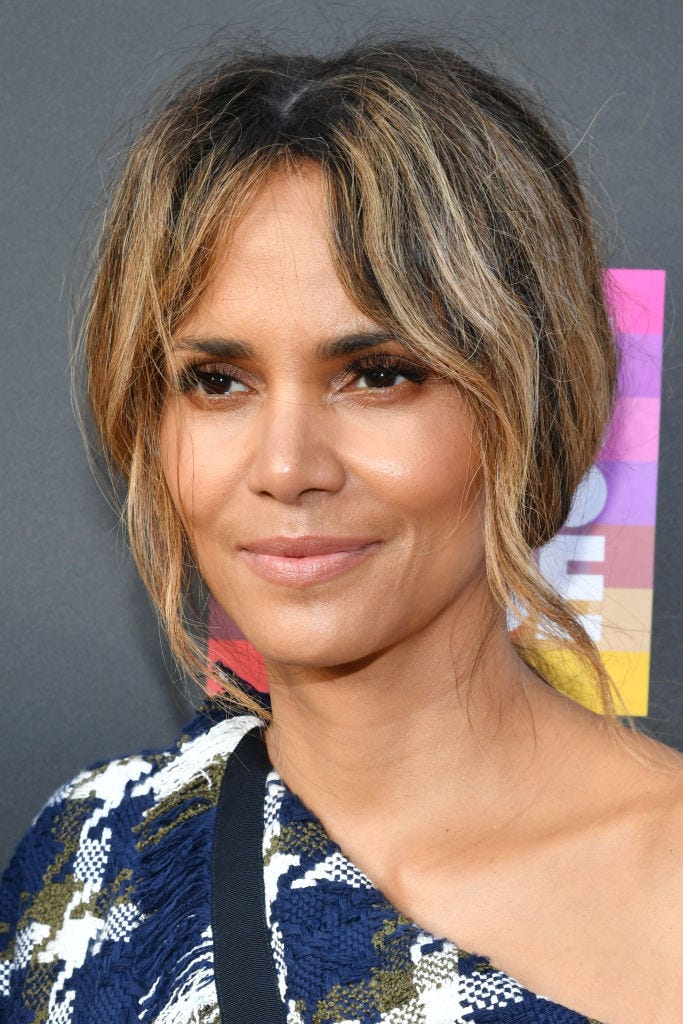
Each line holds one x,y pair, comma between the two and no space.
421,728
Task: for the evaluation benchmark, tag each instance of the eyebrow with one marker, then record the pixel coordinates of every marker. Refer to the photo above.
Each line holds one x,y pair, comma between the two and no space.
330,348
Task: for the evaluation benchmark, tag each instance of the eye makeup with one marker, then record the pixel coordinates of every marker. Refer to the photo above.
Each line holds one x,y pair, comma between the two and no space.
374,372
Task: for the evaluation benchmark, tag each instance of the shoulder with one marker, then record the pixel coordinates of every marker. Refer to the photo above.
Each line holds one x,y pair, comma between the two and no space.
651,847
118,795
662,830
89,870
660,876
641,780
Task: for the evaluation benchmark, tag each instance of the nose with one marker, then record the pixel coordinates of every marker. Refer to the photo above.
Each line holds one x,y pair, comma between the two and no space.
294,450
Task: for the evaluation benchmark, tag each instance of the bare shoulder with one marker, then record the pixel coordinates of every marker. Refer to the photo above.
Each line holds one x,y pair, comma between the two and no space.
654,832
655,772
663,812
646,777
648,905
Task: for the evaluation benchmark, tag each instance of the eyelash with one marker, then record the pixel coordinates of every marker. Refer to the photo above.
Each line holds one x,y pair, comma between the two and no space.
197,376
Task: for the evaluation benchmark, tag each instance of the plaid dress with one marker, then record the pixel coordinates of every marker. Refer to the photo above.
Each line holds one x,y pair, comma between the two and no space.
106,910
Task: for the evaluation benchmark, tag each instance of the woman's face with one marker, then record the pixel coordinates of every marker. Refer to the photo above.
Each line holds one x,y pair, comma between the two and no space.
328,482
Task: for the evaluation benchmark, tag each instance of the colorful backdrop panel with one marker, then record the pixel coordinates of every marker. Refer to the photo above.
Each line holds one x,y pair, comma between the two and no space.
603,559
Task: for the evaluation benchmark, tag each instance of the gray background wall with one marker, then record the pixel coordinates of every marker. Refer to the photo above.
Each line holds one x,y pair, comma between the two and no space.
84,674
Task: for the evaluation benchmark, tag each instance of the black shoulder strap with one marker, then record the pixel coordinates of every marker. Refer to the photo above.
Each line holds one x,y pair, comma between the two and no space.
246,981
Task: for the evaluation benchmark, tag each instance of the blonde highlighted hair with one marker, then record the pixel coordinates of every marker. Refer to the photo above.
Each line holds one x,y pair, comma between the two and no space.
456,219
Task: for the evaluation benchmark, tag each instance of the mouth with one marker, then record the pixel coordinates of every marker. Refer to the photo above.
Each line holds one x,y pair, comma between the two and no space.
303,560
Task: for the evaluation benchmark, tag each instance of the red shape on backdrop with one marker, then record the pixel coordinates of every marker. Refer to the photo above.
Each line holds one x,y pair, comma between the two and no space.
244,661
229,645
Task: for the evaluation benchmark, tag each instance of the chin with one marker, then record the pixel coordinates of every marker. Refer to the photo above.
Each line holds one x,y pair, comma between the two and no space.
309,648
313,656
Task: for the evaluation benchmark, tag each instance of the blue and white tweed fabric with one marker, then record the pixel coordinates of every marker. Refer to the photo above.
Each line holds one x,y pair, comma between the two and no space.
345,955
106,910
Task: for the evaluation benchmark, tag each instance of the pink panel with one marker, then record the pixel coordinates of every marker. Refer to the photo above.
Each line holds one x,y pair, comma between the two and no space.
629,555
634,433
637,300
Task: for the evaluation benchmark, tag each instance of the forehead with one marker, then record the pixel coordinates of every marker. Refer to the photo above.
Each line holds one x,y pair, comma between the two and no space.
277,269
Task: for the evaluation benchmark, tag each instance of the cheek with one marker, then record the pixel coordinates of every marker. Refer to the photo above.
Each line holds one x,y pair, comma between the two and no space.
441,498
195,475
426,467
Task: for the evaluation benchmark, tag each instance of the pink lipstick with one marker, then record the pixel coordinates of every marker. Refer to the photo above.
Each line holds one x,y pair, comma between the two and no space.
298,561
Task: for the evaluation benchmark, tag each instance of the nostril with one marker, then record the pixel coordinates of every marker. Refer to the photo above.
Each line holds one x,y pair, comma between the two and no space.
294,454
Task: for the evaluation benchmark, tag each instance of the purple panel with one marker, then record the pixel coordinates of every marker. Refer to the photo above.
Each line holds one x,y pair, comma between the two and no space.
631,493
640,374
221,625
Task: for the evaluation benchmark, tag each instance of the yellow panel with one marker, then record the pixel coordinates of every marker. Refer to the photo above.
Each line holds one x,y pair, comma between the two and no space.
630,671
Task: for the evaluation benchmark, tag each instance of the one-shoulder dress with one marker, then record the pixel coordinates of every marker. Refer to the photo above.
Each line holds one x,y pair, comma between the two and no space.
110,906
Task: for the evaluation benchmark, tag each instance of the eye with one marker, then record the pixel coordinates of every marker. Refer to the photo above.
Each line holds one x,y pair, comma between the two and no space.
211,380
386,371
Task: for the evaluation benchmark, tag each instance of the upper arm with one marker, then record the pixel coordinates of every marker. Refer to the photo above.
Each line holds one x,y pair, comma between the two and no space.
62,894
27,914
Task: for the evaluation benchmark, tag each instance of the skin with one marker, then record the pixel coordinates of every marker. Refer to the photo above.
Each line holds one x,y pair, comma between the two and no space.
458,786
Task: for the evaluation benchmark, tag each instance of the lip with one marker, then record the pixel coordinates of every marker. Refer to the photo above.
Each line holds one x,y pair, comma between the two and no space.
298,561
